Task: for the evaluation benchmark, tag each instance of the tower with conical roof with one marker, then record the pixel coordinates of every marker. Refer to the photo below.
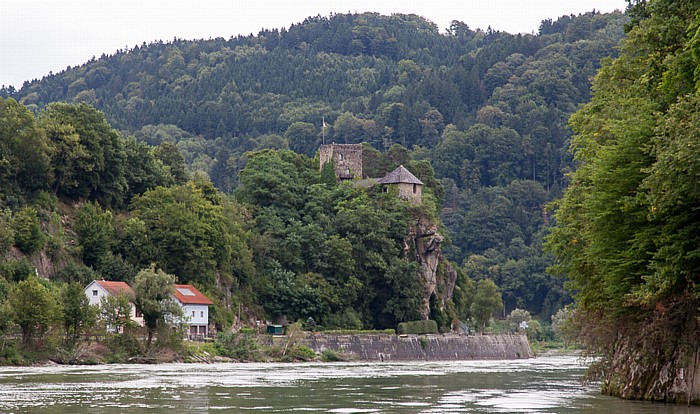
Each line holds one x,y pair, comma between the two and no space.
408,185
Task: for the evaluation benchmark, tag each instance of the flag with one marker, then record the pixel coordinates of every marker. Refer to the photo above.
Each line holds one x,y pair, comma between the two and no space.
324,122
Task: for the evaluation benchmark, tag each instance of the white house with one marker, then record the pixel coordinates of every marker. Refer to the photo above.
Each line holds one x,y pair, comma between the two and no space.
99,289
195,307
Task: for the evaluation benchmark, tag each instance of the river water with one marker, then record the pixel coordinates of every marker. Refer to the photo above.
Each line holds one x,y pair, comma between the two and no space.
540,385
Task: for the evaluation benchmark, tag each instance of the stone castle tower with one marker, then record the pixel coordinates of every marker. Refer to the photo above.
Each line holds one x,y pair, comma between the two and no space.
347,160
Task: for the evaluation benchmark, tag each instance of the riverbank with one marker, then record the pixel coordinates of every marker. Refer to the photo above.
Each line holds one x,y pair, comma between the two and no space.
300,347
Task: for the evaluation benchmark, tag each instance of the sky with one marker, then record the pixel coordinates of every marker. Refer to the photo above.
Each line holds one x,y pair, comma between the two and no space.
40,36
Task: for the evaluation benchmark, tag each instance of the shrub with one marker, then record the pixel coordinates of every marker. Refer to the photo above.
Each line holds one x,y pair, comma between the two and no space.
418,327
27,230
238,346
330,355
301,353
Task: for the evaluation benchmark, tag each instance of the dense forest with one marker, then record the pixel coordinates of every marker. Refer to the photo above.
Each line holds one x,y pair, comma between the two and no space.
627,227
199,158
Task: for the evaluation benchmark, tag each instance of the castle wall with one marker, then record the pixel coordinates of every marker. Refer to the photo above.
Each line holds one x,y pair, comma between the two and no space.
347,159
406,191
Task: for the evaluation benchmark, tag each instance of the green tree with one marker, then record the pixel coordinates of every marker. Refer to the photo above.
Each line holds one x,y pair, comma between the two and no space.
172,159
33,309
24,150
88,155
487,300
93,225
115,313
27,230
153,296
302,138
77,314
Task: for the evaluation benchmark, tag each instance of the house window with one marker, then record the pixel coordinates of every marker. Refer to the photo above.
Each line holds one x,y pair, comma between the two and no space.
201,314
94,293
415,187
138,313
340,157
385,189
193,314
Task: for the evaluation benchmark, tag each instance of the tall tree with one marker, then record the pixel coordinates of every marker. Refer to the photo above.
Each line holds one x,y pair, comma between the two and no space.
33,309
153,296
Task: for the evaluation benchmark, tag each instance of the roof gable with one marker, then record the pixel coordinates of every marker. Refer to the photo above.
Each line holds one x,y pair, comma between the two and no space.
189,295
115,288
400,175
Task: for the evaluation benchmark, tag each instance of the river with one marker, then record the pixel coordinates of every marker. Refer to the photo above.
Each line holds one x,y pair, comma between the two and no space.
540,385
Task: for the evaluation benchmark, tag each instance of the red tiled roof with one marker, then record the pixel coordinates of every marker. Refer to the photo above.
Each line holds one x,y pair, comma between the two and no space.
189,295
115,288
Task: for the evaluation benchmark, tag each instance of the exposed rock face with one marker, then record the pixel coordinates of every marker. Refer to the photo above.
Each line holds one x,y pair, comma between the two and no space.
657,358
450,284
427,243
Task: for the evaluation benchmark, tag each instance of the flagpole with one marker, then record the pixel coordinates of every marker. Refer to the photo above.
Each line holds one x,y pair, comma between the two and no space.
323,130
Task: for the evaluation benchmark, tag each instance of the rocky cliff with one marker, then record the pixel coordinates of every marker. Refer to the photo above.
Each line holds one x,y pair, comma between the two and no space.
425,241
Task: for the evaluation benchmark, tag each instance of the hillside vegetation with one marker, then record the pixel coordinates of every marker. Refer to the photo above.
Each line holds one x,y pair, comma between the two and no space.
197,158
627,227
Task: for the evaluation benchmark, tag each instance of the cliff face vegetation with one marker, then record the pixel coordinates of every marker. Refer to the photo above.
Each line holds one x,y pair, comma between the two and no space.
628,225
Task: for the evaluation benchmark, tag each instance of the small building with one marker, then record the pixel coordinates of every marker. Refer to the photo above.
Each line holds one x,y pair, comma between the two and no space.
409,187
195,307
99,289
346,158
275,330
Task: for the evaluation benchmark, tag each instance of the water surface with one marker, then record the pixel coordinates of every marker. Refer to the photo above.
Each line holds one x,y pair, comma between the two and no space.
541,385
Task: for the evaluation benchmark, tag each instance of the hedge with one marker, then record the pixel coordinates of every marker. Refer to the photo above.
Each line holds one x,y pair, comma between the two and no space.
418,327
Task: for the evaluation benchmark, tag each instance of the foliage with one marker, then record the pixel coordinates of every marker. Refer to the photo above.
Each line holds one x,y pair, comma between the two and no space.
487,300
77,314
115,313
93,225
478,116
626,233
153,296
27,230
33,309
516,318
417,327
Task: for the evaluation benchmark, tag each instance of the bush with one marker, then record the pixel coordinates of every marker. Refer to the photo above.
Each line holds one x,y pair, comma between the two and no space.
237,346
330,355
418,327
27,230
301,353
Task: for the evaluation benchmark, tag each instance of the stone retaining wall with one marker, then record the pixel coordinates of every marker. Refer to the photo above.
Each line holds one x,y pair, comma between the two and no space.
423,347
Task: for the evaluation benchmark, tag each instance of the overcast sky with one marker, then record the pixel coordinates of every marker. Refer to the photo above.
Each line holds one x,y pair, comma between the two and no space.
38,36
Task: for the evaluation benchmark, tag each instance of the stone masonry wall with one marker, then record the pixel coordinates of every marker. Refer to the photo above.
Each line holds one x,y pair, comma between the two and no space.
423,347
347,159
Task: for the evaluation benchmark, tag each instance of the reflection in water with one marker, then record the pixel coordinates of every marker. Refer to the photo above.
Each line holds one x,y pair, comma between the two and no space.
542,385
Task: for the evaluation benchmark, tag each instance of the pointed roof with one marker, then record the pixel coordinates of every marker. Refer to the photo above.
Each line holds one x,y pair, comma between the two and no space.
115,288
189,295
400,175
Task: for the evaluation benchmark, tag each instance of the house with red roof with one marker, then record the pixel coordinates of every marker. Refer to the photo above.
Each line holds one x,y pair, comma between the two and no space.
195,307
99,289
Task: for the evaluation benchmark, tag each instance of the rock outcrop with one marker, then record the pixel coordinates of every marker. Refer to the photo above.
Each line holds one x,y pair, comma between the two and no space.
427,243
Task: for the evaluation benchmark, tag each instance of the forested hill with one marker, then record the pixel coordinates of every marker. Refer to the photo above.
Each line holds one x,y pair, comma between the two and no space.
397,71
488,110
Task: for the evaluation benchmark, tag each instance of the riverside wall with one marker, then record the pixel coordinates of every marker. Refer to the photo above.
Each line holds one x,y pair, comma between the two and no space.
447,347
